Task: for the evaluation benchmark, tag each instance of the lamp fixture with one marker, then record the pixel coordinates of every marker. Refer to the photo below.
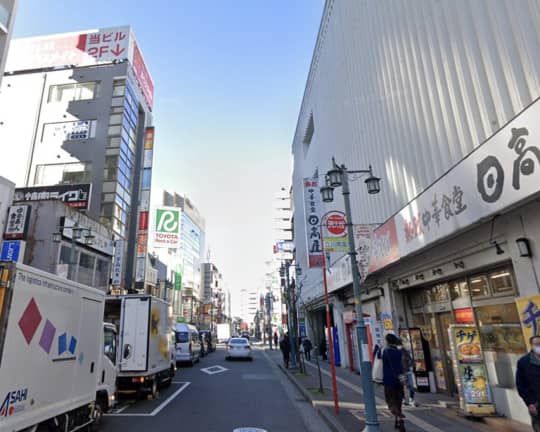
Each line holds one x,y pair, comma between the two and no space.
524,247
498,247
373,183
57,237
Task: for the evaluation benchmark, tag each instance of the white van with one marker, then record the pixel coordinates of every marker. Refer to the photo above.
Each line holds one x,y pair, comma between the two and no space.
188,345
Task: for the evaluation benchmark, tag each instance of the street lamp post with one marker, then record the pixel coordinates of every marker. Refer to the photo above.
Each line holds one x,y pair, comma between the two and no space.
76,234
336,177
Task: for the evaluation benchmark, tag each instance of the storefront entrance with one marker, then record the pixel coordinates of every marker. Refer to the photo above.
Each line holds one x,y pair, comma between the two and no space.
441,353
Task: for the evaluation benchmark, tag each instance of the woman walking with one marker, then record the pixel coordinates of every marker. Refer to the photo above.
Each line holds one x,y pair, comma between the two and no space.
393,379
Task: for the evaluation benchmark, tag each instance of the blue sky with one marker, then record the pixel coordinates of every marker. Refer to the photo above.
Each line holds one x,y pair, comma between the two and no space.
229,77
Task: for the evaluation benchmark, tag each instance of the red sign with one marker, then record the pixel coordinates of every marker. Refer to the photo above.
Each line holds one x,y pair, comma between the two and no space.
384,246
143,221
336,224
464,315
142,75
149,138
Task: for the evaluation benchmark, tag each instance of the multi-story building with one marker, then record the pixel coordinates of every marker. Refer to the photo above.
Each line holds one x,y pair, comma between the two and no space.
8,9
250,302
445,108
77,110
184,262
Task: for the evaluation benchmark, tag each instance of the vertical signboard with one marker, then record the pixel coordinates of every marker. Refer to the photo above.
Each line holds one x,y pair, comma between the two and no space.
312,209
529,316
17,222
470,370
118,263
335,232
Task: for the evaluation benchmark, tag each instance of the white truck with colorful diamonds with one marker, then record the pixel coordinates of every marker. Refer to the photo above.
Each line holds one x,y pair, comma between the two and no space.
56,356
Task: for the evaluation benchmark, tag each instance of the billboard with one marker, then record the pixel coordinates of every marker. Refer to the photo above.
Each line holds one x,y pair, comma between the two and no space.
17,222
165,232
74,195
86,48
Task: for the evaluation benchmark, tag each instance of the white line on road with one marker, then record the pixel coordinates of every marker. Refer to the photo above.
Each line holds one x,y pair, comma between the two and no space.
157,409
412,418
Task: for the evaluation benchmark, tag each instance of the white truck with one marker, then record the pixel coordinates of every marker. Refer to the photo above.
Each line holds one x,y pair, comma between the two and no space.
53,368
223,332
146,357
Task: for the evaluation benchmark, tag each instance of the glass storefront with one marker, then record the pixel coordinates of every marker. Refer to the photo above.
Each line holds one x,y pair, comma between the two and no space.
482,298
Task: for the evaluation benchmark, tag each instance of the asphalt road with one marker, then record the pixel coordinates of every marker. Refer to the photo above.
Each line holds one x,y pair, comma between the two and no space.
247,394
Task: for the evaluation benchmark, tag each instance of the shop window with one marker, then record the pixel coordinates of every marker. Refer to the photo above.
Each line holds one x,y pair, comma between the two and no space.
501,282
479,286
102,274
85,273
73,92
458,289
500,328
437,294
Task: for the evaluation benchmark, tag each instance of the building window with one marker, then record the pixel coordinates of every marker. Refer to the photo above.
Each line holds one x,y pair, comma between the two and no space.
501,282
479,286
70,173
458,289
73,92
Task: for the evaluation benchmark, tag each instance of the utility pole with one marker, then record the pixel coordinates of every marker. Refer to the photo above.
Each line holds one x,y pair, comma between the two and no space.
292,330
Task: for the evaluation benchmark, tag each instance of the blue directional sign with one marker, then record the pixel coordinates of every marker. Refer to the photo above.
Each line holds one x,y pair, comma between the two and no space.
10,250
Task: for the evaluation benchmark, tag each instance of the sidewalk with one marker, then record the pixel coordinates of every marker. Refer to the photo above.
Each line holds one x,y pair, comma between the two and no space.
435,413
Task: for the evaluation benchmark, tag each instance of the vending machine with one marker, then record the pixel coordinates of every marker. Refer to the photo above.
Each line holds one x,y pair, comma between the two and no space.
418,347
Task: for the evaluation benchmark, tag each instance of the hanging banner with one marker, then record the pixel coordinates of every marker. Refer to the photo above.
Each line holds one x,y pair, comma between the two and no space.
334,227
469,367
118,263
529,316
312,209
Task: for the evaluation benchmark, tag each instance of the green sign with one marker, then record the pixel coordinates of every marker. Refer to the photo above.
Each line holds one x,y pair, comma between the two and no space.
167,227
180,320
177,281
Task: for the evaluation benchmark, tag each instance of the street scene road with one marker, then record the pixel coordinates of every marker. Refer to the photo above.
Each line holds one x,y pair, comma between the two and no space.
216,395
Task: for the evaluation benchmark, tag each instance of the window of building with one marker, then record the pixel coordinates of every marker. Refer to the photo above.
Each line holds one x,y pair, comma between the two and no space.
479,286
501,282
114,130
70,173
115,119
458,289
85,274
73,92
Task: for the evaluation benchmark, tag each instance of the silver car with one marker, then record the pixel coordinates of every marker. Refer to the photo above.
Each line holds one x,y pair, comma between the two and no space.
239,348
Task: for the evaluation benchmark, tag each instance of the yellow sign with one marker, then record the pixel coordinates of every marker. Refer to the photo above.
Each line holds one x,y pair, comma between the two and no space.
467,342
529,316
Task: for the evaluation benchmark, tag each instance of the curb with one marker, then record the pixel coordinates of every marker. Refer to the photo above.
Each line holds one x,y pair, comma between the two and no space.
328,418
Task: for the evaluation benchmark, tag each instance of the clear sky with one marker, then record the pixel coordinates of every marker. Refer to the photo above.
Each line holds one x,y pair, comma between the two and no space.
229,77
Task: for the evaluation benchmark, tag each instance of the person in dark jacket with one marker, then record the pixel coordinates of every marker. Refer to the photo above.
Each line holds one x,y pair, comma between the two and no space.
285,347
528,381
276,339
393,388
322,349
308,346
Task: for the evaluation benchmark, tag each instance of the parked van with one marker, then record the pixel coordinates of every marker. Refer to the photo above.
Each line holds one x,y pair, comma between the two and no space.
188,344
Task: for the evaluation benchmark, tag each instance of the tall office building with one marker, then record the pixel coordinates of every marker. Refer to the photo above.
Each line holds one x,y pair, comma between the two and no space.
76,109
8,9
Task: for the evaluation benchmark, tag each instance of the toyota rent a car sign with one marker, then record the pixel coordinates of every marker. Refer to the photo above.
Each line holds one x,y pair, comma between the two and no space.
166,227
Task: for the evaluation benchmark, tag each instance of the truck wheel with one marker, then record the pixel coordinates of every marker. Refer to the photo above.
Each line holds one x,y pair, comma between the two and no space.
97,415
154,388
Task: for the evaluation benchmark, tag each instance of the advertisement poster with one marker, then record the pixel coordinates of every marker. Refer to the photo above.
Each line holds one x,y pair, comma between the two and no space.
529,316
473,385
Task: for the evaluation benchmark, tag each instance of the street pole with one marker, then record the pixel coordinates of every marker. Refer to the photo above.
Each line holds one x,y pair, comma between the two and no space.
372,423
292,337
73,252
329,323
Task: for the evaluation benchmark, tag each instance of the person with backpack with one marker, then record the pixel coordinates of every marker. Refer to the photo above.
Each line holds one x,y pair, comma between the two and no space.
394,379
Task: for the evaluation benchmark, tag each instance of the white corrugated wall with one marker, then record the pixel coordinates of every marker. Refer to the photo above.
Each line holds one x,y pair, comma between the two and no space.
411,87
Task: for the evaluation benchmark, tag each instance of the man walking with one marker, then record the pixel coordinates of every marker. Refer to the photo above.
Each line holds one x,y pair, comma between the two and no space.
285,347
307,348
275,339
528,381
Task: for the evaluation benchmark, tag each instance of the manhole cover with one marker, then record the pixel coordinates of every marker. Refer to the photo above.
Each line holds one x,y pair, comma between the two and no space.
249,429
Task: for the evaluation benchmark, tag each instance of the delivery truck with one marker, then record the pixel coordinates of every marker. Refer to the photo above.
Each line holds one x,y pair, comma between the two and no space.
223,332
55,352
146,357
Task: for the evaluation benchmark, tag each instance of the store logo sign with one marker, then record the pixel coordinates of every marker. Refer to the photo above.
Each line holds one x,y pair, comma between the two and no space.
167,220
166,227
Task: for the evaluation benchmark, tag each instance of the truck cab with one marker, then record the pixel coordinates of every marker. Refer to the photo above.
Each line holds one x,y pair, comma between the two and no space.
106,386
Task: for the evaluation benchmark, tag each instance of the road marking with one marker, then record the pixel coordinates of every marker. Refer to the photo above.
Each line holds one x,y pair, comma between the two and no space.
249,429
214,370
412,418
156,410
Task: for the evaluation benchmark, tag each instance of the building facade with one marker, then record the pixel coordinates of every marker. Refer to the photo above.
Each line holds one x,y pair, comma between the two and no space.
443,106
84,121
8,9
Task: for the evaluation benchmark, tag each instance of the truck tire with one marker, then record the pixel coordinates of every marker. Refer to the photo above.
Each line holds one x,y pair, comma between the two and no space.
154,388
98,415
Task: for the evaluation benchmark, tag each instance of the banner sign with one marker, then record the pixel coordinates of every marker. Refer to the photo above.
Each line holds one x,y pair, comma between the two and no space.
118,263
166,227
470,370
499,173
335,232
11,250
529,316
74,195
17,222
312,209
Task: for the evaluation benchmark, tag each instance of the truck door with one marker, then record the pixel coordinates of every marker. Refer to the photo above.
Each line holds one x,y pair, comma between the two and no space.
135,323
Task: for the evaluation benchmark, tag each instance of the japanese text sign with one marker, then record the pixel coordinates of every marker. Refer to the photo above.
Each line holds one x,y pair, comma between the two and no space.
117,267
499,173
312,209
529,316
74,195
17,222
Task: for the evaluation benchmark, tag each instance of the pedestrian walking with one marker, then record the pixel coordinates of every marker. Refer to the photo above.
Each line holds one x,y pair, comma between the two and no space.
528,381
285,347
322,349
393,379
308,346
407,365
276,339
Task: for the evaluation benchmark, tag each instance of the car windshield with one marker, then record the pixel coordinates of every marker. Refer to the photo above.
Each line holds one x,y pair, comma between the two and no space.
238,341
182,337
